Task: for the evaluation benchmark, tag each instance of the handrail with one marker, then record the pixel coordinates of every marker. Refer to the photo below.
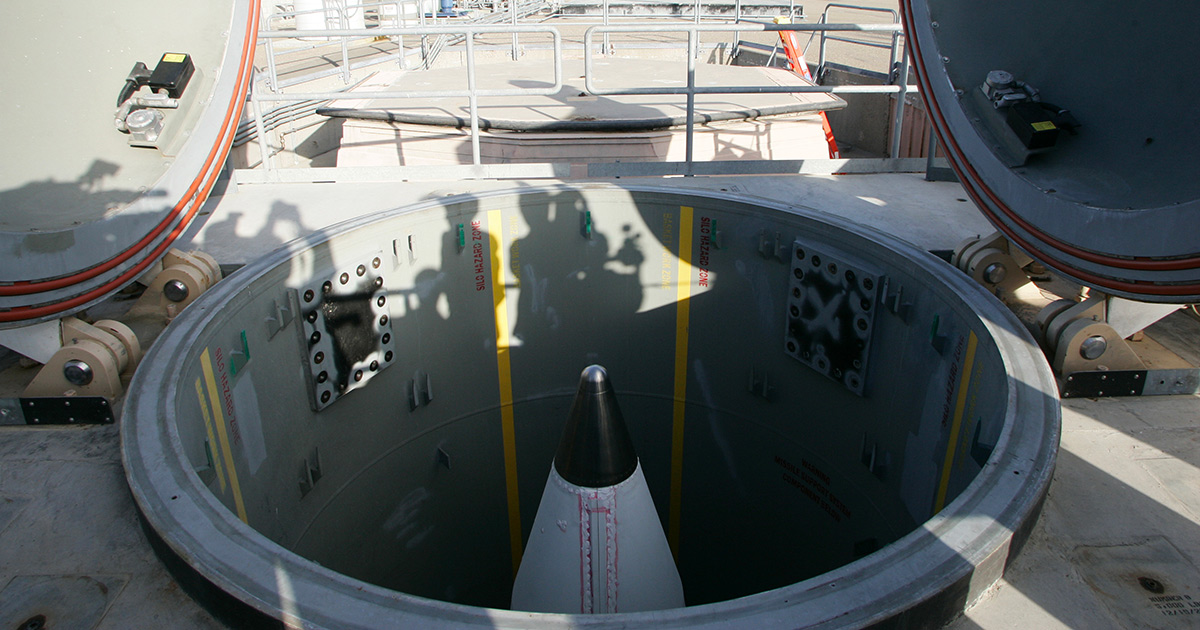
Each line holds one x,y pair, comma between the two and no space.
894,46
691,89
473,93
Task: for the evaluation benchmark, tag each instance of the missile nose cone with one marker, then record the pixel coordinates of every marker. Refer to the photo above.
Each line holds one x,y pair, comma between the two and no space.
596,450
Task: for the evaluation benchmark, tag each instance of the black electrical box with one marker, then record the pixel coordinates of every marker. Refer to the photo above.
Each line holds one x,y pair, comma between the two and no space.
1033,125
172,74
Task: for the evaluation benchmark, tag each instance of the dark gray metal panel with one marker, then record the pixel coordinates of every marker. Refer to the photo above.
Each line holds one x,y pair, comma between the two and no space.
1111,206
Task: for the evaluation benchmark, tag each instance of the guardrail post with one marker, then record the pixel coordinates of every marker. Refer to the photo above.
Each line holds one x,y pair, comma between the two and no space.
898,123
268,161
604,16
512,4
473,99
691,98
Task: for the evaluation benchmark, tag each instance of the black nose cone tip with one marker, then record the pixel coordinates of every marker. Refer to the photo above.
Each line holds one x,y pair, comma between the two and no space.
596,450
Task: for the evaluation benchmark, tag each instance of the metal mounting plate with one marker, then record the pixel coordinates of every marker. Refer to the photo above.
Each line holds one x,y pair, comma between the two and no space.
346,330
831,313
1107,383
56,410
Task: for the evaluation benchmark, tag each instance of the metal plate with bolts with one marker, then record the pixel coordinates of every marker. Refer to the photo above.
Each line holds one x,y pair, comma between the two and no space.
831,314
1100,383
56,410
1104,383
346,330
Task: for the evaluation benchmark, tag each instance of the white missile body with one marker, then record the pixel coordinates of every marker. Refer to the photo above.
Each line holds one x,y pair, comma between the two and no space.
596,548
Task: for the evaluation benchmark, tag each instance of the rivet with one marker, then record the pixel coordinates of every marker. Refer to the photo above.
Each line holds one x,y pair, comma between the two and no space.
176,291
77,372
995,273
1093,347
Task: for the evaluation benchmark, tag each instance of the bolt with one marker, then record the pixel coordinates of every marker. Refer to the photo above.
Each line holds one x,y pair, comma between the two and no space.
1093,347
362,269
176,291
995,273
344,278
1151,584
308,295
77,372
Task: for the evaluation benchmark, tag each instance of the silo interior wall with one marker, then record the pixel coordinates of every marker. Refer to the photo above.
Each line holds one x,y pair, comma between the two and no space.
412,481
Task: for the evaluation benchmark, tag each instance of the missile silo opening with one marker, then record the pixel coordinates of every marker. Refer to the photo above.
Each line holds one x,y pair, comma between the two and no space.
834,427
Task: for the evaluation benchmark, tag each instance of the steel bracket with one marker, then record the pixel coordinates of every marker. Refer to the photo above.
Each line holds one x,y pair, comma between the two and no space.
53,410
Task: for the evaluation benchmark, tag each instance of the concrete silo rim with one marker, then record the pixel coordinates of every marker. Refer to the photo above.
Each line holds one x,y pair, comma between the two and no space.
929,573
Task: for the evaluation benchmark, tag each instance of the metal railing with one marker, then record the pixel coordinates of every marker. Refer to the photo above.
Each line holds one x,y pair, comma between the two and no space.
342,11
691,89
894,47
265,91
472,93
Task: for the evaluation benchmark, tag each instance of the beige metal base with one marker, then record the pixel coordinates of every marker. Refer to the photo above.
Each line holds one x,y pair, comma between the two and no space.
91,361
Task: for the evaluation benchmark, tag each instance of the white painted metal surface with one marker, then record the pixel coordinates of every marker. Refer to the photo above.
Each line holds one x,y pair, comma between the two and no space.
597,550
